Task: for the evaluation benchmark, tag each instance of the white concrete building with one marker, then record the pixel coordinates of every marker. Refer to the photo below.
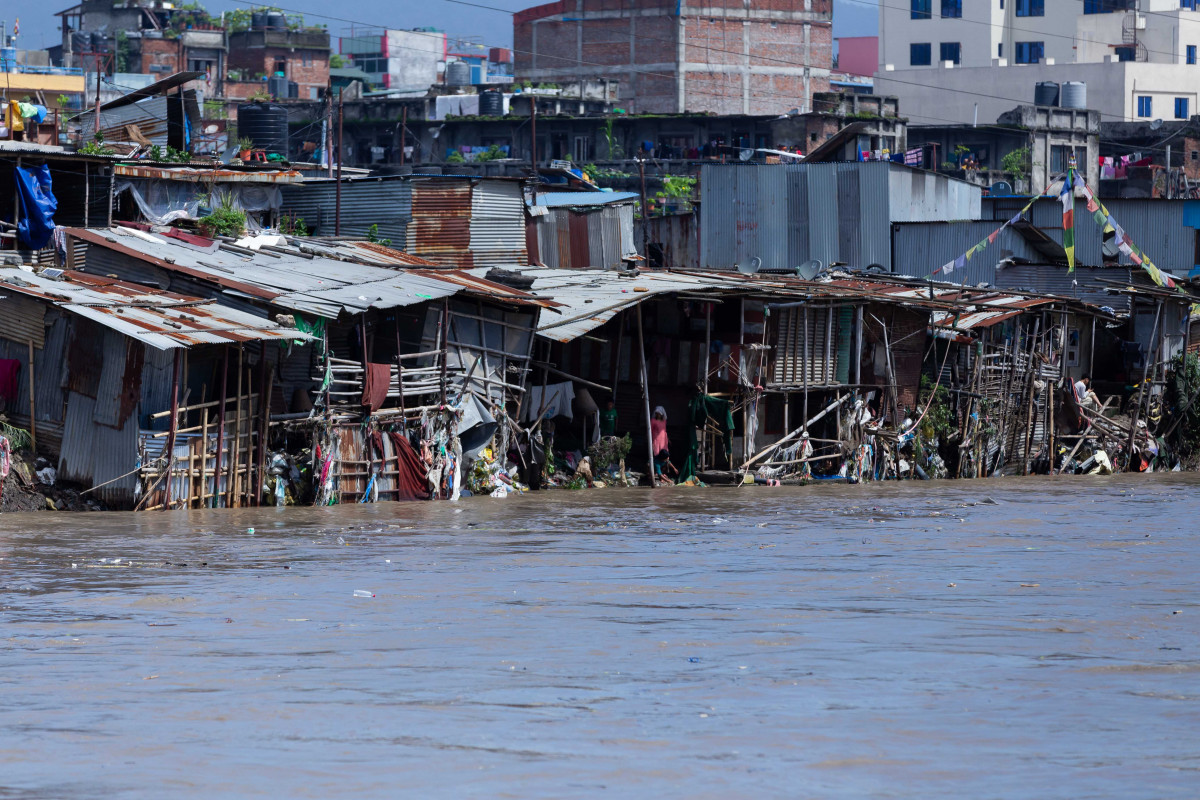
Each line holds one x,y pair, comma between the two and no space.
965,61
396,59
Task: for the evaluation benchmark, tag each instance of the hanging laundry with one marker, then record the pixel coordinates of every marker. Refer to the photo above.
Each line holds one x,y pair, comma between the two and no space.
376,381
9,369
557,402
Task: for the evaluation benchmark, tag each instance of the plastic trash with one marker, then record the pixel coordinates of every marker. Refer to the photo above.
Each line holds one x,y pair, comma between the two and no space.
363,593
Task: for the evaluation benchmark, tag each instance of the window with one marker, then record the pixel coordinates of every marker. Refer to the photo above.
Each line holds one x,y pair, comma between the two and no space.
1031,8
1000,50
1109,6
1181,108
1194,155
1030,52
280,67
1188,4
922,9
1125,52
1060,157
951,51
1145,106
952,8
306,58
1191,54
920,55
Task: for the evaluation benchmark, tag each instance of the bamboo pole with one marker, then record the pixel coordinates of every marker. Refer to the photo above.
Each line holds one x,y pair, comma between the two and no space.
231,496
1030,380
1145,395
203,459
645,397
169,450
32,404
221,426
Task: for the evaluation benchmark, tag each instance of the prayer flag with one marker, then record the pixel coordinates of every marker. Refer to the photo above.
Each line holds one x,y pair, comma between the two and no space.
1068,237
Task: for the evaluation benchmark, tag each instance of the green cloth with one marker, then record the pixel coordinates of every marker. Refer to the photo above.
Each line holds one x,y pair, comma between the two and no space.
608,422
701,408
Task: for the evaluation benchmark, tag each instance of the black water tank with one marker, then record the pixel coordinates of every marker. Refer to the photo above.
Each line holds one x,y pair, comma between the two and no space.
1045,93
491,103
265,124
276,20
258,20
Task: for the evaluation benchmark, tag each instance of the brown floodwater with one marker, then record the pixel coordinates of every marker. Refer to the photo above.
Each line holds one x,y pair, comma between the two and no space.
1013,638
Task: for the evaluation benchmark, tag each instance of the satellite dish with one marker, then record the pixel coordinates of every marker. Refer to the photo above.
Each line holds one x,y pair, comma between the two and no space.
211,129
810,269
1001,188
1158,123
746,154
1109,247
750,267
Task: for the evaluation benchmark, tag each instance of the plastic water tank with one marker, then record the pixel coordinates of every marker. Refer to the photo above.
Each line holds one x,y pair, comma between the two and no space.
458,73
276,20
1074,94
1045,93
491,103
258,20
265,124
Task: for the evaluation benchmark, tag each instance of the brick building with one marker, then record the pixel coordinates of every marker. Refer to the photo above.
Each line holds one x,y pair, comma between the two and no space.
675,56
300,57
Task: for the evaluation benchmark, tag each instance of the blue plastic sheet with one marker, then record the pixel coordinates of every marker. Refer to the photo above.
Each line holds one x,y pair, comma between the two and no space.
38,205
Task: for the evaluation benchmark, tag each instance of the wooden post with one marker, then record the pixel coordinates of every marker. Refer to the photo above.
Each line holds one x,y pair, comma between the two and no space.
87,193
265,384
169,449
403,131
400,370
32,404
1133,421
203,459
231,495
616,359
804,366
337,212
1030,421
646,397
445,326
216,494
704,362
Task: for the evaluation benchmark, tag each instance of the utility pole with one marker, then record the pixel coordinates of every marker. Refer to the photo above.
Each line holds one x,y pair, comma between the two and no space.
403,131
533,159
329,126
337,214
645,210
96,132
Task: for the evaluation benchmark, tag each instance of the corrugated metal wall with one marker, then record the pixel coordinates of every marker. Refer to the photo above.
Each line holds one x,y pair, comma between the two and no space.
922,247
677,236
497,224
1051,279
1156,226
386,202
788,214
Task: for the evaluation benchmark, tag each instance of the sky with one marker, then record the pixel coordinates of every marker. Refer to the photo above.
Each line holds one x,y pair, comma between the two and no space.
488,21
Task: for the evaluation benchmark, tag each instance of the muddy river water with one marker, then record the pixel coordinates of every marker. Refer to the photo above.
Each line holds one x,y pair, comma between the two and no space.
1017,638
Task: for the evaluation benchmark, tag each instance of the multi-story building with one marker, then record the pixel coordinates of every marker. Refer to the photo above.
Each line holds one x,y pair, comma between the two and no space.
956,61
676,56
299,57
396,59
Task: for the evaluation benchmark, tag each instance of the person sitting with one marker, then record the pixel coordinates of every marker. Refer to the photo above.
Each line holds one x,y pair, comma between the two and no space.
1084,395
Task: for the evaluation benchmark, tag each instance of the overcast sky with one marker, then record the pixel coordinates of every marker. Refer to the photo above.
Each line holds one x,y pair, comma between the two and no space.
39,26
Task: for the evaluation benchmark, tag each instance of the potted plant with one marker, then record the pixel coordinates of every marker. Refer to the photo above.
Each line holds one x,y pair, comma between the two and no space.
244,145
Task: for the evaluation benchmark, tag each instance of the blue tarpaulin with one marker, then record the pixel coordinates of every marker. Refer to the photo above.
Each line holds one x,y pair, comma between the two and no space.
38,205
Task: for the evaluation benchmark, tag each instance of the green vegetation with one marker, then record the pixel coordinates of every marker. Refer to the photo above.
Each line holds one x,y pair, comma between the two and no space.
293,226
615,151
373,236
678,187
1183,400
609,450
1018,163
18,438
337,61
939,419
244,143
455,158
214,109
224,219
493,153
122,52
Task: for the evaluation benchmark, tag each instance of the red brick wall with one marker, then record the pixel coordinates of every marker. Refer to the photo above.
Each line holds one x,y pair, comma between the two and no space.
313,74
161,53
647,66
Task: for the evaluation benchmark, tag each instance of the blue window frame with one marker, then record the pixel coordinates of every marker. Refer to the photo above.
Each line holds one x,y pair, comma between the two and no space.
1188,4
1191,54
1125,52
1181,108
920,55
951,51
1109,6
952,9
1145,106
922,9
1030,52
1031,8
1000,50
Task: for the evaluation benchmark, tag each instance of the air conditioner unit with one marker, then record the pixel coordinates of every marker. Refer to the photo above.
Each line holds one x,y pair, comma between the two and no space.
1139,22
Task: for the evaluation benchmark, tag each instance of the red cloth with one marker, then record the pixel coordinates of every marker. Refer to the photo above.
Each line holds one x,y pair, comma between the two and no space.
412,480
376,381
9,369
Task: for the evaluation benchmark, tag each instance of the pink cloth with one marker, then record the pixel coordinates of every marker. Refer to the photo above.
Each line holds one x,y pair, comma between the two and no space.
658,435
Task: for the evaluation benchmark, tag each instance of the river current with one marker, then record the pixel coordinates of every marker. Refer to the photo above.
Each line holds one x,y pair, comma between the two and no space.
1013,638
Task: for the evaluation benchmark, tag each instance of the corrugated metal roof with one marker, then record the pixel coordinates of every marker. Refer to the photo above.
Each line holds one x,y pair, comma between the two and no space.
383,201
316,285
586,299
203,175
159,319
570,199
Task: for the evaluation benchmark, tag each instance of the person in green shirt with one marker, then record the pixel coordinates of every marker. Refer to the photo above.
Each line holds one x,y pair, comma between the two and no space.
608,419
